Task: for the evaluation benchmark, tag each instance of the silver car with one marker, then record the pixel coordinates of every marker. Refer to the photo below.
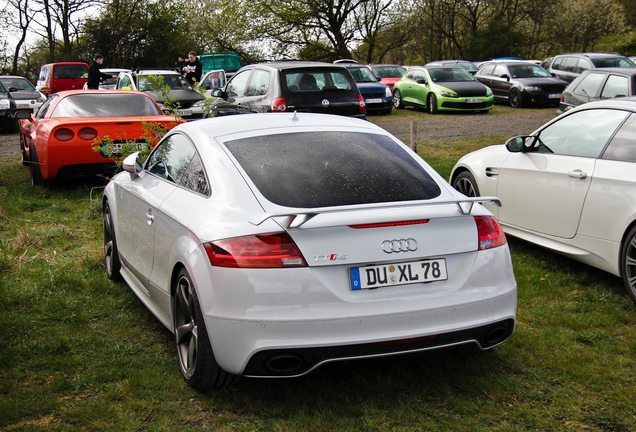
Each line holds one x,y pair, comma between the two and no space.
273,243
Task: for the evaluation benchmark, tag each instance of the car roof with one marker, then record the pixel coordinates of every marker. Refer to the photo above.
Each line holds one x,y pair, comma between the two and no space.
13,77
385,64
156,72
269,122
624,103
292,64
595,54
100,92
616,70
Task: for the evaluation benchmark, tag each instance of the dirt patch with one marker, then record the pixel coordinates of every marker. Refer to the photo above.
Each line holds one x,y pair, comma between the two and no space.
458,125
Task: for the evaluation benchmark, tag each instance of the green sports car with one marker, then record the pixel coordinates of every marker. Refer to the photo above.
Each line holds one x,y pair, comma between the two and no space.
439,88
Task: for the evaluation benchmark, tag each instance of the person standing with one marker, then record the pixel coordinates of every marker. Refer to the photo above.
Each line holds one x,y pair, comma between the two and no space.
94,74
193,68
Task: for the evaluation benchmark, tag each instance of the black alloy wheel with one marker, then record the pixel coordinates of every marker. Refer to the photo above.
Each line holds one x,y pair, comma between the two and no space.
515,99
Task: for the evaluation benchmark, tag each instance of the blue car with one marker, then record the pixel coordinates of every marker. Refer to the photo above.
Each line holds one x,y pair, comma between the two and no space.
377,96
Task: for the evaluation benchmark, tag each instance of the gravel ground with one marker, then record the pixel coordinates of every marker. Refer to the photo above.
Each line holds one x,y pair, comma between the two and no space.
427,126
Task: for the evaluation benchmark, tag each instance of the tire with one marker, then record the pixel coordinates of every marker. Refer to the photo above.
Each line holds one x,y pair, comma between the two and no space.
628,263
34,168
515,99
111,253
397,99
466,184
432,104
196,359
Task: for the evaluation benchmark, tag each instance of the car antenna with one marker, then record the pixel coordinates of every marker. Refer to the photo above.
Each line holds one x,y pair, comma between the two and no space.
294,117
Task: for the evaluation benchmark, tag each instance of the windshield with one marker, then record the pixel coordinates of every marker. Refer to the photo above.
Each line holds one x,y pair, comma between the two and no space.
323,169
174,81
455,74
613,62
300,81
527,71
389,71
106,105
362,74
17,83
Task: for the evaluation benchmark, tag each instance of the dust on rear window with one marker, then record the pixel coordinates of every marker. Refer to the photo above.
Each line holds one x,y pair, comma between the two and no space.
324,169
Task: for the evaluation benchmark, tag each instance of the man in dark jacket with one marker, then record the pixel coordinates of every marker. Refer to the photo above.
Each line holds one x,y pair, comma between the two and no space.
94,74
193,68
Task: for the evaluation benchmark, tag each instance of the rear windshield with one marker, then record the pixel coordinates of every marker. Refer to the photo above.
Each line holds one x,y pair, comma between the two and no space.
324,169
301,81
70,71
389,71
106,105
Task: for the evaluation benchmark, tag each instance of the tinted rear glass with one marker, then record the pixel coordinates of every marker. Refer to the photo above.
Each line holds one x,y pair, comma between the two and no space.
323,169
106,105
70,71
613,62
312,80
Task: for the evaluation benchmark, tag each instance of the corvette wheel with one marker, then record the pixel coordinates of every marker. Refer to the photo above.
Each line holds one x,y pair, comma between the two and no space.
515,99
397,99
466,184
196,359
111,253
432,104
628,263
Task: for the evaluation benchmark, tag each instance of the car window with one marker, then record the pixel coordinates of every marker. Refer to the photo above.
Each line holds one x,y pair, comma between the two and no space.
44,108
450,75
582,133
487,70
70,71
622,147
214,80
362,74
388,71
419,75
500,70
528,71
613,62
311,80
236,86
176,160
2,89
323,169
44,74
590,85
259,83
106,105
583,65
558,63
18,83
124,82
615,86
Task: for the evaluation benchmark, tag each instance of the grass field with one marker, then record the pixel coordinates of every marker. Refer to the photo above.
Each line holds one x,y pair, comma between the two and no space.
78,352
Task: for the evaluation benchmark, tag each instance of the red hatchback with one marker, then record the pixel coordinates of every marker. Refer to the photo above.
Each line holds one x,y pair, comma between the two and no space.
389,74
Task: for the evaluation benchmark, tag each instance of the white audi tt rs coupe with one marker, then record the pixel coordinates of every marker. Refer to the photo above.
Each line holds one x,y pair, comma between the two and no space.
273,243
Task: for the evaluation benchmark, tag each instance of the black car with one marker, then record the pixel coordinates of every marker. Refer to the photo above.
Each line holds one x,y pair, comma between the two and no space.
569,66
291,86
596,84
464,64
7,111
521,83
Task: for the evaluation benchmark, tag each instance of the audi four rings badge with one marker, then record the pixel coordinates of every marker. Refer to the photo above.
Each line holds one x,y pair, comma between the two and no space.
401,245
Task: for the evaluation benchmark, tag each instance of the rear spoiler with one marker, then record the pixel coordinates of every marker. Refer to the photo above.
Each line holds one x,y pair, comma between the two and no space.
297,219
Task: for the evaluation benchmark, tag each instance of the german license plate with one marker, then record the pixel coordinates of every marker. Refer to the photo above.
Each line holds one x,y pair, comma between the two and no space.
554,96
185,112
22,106
387,275
473,100
376,100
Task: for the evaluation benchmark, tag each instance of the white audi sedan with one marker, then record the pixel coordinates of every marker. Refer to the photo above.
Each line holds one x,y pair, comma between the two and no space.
273,243
570,186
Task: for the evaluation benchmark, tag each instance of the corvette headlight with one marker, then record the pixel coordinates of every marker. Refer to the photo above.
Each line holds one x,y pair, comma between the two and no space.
387,92
5,104
533,88
448,94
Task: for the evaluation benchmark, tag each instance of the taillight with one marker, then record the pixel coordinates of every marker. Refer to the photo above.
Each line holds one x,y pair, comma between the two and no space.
490,233
276,250
87,133
64,134
278,105
363,104
389,224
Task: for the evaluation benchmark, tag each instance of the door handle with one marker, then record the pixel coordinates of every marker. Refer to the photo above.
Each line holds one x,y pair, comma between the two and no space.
150,218
578,174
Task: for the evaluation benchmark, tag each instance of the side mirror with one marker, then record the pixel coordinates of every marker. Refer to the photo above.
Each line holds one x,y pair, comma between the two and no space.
422,81
133,164
379,78
218,93
23,115
521,144
506,76
12,89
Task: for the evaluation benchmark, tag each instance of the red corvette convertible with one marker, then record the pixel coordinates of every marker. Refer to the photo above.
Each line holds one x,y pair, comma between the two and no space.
58,140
